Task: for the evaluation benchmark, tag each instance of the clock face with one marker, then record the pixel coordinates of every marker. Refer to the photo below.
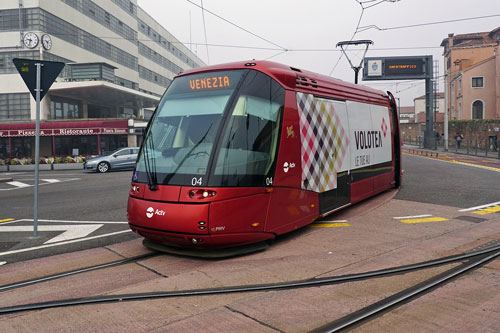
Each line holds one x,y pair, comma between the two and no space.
30,40
47,42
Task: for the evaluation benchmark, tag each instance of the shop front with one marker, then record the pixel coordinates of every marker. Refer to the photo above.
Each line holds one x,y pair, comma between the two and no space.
64,138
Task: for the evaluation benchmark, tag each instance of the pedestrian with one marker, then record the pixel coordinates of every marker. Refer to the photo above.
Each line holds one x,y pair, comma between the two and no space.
459,137
438,138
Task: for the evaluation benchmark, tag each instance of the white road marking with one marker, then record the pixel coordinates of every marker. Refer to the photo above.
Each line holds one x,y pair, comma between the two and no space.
62,243
412,217
334,221
70,231
18,184
51,180
2,263
480,207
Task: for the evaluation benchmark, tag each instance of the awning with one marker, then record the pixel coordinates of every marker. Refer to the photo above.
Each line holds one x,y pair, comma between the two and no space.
103,93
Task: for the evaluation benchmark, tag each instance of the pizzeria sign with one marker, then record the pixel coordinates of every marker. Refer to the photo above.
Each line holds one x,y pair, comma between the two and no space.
63,132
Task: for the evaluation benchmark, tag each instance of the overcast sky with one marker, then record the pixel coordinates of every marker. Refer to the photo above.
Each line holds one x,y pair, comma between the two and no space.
309,31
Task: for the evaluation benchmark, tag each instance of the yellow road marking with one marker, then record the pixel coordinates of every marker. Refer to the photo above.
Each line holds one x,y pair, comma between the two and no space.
453,161
487,211
329,225
424,220
6,220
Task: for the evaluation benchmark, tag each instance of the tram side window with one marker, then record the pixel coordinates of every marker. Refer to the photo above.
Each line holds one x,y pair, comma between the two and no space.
250,142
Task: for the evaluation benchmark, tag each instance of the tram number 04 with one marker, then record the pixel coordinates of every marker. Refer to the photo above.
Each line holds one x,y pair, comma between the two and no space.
196,181
269,181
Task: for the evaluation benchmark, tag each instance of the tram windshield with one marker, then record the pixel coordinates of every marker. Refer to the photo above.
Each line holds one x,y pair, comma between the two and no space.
214,129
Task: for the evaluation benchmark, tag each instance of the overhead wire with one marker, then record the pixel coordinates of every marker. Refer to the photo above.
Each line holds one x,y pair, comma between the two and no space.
361,29
236,25
205,30
361,3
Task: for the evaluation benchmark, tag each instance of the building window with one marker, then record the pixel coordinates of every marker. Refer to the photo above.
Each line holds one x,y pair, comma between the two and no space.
477,82
15,106
65,109
477,110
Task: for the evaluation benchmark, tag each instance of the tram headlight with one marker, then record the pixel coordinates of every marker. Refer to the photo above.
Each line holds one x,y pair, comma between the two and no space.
201,194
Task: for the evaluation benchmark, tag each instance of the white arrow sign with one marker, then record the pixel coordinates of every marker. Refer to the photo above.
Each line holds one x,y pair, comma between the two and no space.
70,231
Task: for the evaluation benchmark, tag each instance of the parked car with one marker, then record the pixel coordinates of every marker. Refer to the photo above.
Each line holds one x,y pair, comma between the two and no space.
122,158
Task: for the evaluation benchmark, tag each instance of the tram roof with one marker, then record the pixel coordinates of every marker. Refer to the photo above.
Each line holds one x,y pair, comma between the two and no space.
304,81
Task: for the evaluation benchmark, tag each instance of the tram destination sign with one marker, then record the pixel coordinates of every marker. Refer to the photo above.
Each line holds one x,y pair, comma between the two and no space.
395,68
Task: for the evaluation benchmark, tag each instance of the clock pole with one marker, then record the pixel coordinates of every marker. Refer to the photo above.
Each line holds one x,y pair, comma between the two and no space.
37,146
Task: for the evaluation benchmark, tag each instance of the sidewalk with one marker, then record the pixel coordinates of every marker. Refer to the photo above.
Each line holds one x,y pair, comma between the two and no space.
42,167
464,150
492,161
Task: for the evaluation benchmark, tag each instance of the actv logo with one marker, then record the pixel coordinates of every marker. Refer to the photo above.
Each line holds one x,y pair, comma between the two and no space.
151,211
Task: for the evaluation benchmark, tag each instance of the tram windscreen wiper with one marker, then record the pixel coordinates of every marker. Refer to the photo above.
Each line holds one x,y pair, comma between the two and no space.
150,164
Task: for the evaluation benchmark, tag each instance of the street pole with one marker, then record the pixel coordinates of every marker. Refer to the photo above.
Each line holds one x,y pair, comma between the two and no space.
446,97
37,146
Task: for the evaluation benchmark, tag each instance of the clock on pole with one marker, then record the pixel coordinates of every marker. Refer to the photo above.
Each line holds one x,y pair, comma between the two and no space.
30,40
46,42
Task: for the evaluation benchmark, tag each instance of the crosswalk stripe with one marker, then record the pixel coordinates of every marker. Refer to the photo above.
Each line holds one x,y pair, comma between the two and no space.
51,180
18,184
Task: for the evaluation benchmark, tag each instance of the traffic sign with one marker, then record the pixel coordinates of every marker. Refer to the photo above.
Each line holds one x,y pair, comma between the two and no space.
49,72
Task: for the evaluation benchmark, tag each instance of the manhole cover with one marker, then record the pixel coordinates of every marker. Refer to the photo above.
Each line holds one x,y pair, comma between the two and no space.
470,219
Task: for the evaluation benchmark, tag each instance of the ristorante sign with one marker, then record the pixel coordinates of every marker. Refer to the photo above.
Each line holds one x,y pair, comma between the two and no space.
63,132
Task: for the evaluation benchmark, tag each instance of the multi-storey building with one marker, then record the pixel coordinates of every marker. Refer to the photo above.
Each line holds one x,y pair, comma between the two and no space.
472,64
119,61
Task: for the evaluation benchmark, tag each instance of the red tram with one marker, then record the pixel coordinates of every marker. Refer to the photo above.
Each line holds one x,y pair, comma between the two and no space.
239,153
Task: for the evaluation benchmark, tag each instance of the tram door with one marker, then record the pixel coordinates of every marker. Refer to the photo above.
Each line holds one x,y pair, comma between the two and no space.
339,154
325,150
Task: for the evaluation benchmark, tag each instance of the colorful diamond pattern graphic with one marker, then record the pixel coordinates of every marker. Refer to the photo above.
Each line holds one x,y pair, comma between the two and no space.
324,143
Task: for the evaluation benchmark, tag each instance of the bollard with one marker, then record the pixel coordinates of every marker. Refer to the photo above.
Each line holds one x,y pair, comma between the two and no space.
486,148
476,147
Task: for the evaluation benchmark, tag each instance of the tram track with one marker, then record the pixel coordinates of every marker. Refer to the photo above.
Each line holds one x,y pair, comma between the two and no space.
30,282
474,260
363,315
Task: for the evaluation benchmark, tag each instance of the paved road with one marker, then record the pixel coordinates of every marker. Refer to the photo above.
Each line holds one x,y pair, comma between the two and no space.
68,201
89,210
431,180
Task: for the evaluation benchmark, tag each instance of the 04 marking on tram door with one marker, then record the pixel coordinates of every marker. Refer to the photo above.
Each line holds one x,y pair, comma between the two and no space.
420,219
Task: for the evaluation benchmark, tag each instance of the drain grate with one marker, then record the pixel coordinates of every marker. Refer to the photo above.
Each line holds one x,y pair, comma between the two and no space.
470,219
7,245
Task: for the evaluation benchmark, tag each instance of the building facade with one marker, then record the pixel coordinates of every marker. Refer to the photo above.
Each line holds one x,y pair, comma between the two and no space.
472,64
406,114
119,61
419,108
